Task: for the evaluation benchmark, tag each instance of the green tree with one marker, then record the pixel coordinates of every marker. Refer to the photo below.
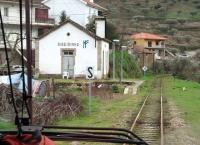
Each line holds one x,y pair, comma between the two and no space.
63,17
91,25
111,30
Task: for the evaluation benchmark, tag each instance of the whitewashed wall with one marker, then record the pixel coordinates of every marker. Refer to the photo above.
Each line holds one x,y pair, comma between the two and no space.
11,23
50,53
13,13
75,10
105,50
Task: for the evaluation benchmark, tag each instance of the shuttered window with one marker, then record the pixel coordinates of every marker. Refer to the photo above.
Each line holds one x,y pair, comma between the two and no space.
41,14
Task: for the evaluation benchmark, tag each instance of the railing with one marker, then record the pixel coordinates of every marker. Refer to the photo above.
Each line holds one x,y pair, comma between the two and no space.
46,21
157,46
16,20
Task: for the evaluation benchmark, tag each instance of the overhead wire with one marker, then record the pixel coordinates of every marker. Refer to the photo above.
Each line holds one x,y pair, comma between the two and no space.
22,61
17,119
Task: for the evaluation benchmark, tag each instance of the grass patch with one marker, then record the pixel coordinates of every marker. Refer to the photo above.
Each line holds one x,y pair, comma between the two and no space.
6,125
186,96
103,112
109,113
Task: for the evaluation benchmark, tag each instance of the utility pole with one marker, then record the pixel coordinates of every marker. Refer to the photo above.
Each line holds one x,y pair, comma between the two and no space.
122,59
113,60
121,66
143,62
29,55
114,50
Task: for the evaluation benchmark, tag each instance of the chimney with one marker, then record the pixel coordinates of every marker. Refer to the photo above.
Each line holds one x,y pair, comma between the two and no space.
100,23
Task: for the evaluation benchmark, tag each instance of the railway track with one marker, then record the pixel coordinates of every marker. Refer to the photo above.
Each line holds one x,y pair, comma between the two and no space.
148,124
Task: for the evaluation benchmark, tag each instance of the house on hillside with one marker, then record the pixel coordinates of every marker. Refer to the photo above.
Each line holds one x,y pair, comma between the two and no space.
149,44
145,56
78,11
70,48
11,18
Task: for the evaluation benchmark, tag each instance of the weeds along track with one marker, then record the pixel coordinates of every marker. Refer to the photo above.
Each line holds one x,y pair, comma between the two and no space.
148,123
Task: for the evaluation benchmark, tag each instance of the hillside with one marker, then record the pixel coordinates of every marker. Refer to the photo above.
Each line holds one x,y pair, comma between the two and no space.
179,20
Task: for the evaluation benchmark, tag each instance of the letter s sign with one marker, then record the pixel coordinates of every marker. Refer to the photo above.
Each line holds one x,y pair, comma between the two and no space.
90,73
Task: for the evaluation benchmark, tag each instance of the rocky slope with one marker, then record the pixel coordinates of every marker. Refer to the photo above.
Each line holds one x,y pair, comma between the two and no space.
179,20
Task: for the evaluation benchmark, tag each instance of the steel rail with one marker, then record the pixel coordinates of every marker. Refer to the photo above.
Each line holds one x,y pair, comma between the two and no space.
138,115
161,115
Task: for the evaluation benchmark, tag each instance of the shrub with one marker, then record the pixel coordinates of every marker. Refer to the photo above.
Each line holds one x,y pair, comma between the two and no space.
181,21
158,67
111,32
188,38
196,2
172,31
179,39
115,89
193,13
197,56
158,6
131,67
138,4
198,6
171,21
179,12
182,68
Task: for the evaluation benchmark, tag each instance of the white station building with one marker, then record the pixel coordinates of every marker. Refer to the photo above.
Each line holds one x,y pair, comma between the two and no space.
71,48
80,11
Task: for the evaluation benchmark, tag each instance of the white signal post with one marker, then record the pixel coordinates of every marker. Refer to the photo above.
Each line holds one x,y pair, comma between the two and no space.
114,49
122,59
144,68
90,76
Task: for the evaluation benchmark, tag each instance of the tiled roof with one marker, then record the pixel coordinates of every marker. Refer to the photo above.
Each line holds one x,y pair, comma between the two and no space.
93,5
34,1
147,36
77,26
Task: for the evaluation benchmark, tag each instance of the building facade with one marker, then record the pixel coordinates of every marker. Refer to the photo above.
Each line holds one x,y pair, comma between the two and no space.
80,11
11,19
151,42
71,48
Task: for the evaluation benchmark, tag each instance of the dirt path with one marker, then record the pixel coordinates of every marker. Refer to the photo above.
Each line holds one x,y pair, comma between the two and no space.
178,132
138,83
132,90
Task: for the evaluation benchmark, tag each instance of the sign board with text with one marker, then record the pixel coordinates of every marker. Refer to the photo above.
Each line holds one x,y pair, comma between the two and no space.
90,73
144,68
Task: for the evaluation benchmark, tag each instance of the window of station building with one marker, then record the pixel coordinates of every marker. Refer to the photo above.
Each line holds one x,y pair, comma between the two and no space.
6,12
100,13
157,43
41,14
149,43
68,52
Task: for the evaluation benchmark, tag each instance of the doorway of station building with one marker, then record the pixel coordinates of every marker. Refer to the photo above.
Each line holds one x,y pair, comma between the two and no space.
68,62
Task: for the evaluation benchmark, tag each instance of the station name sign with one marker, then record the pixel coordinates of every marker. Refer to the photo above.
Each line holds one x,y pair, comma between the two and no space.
67,44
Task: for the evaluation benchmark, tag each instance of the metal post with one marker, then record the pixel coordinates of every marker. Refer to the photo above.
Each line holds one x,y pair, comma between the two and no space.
153,63
143,63
29,55
53,88
121,66
113,61
90,96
